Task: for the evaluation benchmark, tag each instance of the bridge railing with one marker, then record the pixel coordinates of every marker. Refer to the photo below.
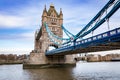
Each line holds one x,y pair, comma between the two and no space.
87,42
96,37
99,36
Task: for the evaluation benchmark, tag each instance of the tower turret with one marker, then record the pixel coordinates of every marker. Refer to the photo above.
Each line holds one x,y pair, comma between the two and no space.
44,12
44,15
61,14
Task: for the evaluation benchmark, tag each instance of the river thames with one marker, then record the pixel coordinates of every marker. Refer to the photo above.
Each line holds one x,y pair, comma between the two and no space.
82,71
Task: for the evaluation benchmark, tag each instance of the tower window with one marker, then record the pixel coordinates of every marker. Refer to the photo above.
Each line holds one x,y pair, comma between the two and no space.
53,23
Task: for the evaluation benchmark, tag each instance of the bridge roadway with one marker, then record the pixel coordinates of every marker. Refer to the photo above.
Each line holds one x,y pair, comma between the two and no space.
109,40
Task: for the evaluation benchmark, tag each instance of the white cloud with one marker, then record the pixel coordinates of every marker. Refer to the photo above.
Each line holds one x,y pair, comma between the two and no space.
19,36
15,51
28,35
12,21
27,18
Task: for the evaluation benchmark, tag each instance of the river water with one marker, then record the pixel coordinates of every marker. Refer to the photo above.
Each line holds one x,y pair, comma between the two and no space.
82,71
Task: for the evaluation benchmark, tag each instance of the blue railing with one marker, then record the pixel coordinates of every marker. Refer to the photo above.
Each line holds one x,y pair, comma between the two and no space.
109,36
100,36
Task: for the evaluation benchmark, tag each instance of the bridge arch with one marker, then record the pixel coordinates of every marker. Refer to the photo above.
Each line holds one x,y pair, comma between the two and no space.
51,46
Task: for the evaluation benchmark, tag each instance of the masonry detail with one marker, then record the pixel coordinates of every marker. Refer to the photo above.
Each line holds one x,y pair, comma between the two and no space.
42,43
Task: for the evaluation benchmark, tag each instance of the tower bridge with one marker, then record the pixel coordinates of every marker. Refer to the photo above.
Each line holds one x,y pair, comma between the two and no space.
51,34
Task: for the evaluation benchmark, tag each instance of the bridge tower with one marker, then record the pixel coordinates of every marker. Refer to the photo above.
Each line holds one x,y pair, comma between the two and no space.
54,21
42,43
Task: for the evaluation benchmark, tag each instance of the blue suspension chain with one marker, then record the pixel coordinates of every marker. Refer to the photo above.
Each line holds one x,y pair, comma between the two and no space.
111,12
95,18
49,31
49,34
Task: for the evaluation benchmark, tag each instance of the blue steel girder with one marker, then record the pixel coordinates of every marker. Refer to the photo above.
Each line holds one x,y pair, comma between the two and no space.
83,32
113,10
67,32
104,38
100,13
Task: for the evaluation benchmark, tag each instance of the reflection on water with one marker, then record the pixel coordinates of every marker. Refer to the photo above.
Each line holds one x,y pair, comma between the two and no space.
83,71
51,74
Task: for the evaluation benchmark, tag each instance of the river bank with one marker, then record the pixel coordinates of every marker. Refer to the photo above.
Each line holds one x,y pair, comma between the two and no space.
10,62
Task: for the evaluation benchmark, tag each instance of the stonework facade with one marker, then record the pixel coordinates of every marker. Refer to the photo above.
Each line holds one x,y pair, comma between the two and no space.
54,21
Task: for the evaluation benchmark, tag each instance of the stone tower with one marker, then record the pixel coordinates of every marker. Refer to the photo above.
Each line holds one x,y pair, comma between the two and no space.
54,21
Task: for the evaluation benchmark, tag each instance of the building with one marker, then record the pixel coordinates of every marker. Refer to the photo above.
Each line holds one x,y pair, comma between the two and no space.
54,21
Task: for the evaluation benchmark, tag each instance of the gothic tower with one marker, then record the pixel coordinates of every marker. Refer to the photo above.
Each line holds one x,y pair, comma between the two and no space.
54,20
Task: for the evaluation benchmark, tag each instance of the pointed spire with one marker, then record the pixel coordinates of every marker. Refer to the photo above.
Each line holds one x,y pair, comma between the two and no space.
45,8
61,11
61,14
45,11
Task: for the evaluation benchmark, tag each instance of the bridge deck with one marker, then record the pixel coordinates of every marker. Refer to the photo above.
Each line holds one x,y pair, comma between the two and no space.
106,41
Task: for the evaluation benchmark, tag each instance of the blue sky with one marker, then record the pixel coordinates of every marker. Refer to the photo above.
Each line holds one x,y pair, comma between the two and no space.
20,18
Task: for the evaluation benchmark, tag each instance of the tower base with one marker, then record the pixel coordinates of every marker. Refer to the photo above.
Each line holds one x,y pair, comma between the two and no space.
39,60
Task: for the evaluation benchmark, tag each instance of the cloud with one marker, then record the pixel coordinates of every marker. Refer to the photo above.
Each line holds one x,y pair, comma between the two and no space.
12,21
21,36
30,34
15,51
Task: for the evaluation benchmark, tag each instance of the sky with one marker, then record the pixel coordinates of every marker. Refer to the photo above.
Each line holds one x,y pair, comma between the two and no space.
20,18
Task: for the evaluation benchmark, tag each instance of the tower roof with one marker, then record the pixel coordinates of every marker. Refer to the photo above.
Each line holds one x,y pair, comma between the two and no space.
51,4
51,9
